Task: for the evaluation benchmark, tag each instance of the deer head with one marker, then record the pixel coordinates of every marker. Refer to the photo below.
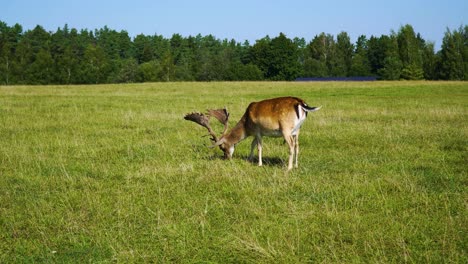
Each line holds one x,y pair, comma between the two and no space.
222,116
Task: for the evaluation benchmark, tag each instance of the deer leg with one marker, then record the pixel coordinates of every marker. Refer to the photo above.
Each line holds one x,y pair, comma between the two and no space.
252,147
296,149
259,145
290,140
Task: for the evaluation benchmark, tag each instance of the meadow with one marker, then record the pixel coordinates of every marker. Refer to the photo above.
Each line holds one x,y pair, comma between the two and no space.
114,174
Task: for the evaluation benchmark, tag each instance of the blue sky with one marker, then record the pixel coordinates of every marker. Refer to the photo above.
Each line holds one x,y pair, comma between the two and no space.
242,19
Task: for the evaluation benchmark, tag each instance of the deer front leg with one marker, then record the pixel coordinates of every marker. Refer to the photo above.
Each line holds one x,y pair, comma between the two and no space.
252,147
259,145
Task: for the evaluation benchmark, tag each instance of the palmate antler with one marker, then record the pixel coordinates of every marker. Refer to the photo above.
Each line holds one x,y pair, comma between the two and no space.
223,117
204,120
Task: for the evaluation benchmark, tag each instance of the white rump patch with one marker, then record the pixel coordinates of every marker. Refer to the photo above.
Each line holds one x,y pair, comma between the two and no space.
298,121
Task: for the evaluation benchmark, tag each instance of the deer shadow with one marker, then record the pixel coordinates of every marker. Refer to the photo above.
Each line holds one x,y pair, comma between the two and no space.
269,161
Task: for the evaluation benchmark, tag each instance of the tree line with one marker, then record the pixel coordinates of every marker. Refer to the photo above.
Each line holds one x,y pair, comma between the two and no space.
71,56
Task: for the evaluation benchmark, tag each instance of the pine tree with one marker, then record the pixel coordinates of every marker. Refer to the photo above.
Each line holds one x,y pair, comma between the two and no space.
410,54
7,46
392,64
344,55
429,61
360,62
453,65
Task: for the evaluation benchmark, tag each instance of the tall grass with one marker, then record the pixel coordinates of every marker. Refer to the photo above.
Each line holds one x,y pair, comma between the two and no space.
112,173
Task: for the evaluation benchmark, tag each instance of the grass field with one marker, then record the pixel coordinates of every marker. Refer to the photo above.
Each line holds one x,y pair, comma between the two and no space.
112,173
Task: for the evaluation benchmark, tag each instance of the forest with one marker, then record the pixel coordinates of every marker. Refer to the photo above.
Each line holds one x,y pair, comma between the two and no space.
72,56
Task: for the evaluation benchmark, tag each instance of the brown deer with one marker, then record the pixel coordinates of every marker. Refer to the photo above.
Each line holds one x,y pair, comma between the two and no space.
275,117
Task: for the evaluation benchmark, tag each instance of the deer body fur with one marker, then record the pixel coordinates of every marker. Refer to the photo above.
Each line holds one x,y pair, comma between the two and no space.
275,117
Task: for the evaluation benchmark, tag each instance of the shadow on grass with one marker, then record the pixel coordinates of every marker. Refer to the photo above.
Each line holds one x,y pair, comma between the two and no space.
269,161
203,154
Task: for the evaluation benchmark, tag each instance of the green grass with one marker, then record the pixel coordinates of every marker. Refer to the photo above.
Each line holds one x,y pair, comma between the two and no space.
112,173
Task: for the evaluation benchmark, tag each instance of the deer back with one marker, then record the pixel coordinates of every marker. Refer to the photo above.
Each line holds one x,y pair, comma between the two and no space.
270,116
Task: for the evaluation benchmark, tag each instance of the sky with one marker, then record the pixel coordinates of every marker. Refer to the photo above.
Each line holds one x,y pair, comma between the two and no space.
242,19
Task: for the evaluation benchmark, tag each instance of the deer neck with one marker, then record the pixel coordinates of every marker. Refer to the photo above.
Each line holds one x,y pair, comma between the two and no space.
237,133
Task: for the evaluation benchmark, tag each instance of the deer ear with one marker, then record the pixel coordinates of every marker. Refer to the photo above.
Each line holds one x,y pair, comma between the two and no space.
218,143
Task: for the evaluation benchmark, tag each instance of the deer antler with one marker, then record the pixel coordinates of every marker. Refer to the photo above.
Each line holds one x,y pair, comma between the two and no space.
222,115
202,120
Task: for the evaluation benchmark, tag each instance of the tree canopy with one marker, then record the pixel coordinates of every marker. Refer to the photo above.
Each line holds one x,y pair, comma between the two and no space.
69,56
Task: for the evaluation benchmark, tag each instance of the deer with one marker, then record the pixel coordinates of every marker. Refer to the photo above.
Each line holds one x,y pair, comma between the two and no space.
276,117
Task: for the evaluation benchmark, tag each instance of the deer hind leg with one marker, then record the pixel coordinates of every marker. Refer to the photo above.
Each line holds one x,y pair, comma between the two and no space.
291,143
296,148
